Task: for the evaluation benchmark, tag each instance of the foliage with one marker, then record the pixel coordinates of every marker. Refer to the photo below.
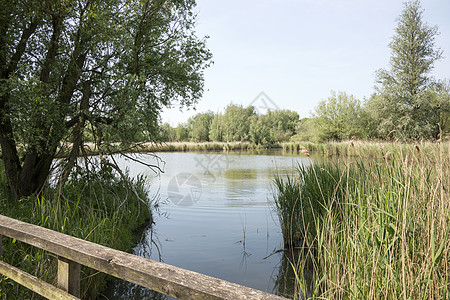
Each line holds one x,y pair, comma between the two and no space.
236,122
259,131
282,124
306,130
288,207
340,117
216,130
440,96
182,132
68,67
167,133
404,104
199,126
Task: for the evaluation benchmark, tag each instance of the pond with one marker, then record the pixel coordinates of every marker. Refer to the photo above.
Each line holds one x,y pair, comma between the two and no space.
215,217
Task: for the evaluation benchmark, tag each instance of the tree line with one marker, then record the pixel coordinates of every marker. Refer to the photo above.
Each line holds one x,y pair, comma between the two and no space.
236,123
339,117
408,102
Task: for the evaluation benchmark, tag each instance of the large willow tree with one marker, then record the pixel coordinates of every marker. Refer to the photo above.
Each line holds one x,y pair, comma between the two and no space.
72,69
404,104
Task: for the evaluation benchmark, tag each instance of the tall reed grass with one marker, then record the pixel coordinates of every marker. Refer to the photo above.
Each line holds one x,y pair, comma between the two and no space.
376,229
363,149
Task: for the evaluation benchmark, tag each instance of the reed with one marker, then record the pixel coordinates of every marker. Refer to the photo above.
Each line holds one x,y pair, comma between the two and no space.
363,149
381,229
191,146
300,201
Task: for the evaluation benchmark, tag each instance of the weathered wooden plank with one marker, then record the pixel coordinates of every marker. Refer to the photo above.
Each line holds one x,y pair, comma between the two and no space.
33,283
167,279
69,276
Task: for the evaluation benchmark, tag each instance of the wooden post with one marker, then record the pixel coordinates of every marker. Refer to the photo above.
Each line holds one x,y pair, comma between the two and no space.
69,276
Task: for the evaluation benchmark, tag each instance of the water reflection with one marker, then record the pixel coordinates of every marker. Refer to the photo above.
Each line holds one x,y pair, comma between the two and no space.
294,267
240,174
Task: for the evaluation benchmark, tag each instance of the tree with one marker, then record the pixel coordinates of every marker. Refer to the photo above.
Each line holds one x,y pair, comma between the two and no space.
216,128
404,104
259,132
440,97
182,132
236,121
282,124
340,117
105,66
306,129
199,125
167,133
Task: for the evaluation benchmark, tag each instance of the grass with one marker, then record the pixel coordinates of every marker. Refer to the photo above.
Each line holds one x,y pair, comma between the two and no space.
203,146
91,149
95,207
362,149
375,229
300,201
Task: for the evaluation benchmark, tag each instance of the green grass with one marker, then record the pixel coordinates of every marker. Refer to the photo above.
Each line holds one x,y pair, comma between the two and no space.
375,229
201,146
97,208
362,149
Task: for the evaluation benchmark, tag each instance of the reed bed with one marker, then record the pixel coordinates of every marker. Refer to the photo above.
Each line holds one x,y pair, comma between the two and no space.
374,229
204,146
362,149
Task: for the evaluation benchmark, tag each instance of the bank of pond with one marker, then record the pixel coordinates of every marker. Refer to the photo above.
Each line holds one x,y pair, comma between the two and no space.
349,220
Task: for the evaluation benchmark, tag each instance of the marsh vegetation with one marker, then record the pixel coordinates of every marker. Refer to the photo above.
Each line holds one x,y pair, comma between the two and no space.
374,228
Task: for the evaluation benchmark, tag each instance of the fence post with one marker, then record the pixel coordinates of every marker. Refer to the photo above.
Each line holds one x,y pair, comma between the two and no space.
69,276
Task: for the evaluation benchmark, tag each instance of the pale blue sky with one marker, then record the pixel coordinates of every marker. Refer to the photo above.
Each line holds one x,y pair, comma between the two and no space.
297,51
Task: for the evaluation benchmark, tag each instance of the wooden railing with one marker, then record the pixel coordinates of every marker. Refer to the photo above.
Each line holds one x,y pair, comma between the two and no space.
73,252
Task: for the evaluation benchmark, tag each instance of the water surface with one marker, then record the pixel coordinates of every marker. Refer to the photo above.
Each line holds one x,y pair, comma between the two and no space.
215,217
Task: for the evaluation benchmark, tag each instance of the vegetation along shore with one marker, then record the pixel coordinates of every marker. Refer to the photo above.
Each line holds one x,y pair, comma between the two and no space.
371,229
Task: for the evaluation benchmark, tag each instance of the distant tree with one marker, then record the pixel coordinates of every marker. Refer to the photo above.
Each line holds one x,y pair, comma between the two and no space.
182,132
167,133
216,130
306,129
259,131
403,104
236,121
282,124
199,126
440,97
76,65
339,117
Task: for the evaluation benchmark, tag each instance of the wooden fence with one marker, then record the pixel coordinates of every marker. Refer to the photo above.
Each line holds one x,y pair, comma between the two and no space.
73,252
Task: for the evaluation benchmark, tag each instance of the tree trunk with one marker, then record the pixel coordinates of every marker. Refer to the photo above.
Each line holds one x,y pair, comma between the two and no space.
34,173
26,179
9,154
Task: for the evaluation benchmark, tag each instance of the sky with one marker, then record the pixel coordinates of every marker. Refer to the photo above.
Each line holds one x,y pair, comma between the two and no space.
290,54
